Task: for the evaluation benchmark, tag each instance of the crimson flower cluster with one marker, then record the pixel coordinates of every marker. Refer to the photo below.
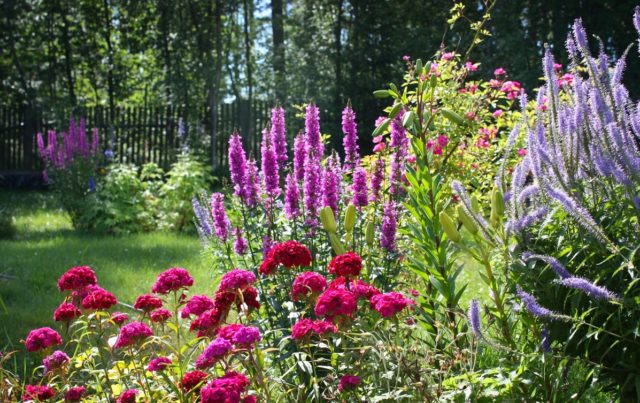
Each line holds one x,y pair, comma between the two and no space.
288,254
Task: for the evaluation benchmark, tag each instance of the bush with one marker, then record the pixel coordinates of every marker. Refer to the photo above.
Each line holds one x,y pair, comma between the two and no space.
7,226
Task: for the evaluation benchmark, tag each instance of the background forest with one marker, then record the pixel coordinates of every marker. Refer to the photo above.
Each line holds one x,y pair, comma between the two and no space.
61,54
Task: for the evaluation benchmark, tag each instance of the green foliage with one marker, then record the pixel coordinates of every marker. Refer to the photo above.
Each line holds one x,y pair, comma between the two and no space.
7,226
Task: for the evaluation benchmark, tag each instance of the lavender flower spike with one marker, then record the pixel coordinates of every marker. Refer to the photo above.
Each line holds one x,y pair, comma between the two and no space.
237,165
389,227
279,135
312,130
534,308
270,175
350,139
220,220
240,245
474,318
592,290
360,197
299,156
551,261
291,198
203,221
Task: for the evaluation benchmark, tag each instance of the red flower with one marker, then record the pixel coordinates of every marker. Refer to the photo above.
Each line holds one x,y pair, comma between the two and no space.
77,278
119,317
301,328
44,337
227,388
390,303
128,396
147,302
160,315
197,305
207,323
291,254
98,298
335,302
38,392
348,264
66,312
132,333
359,288
236,278
172,280
193,380
307,283
268,266
74,394
228,331
250,298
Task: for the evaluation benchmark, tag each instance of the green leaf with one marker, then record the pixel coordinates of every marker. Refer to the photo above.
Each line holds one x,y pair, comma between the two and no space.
381,94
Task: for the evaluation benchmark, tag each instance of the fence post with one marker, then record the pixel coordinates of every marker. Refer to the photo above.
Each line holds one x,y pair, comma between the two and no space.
29,128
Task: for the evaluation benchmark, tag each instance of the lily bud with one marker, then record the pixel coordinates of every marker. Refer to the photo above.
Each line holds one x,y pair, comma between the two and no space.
328,220
467,222
350,218
370,233
449,227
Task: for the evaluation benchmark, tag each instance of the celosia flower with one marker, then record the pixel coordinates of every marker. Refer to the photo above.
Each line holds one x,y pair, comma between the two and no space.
38,392
348,382
66,312
220,220
98,299
350,139
347,264
193,380
197,305
74,394
216,350
228,388
128,396
159,364
147,302
291,254
335,302
172,280
42,338
132,333
390,303
119,317
474,317
54,361
237,279
307,283
359,187
77,278
160,315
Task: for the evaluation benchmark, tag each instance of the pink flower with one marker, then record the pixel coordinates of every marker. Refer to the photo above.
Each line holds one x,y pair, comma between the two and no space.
411,159
228,331
191,380
172,280
390,303
291,254
499,72
197,305
470,66
437,150
470,115
237,279
55,361
379,121
98,299
66,312
557,66
160,315
566,79
74,394
42,338
322,327
119,317
443,140
128,396
448,56
497,113
77,278
406,58
306,284
378,139
246,336
147,302
349,382
336,302
38,392
132,333
159,364
494,83
216,350
301,328
227,388
482,143
379,147
522,152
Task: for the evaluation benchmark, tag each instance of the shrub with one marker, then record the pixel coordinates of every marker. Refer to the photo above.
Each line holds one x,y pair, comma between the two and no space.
7,226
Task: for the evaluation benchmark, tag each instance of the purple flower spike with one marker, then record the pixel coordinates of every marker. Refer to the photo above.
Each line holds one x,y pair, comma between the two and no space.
291,198
474,318
350,139
389,227
237,165
220,220
270,174
592,290
534,308
279,135
360,196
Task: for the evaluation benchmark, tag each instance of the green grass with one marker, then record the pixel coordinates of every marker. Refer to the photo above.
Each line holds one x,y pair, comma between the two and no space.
46,246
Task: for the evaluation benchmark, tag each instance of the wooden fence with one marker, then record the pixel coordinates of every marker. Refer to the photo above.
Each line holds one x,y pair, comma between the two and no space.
135,134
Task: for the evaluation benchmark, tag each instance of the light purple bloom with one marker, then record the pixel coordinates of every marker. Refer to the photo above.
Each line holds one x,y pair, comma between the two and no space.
312,131
279,135
55,360
252,185
377,178
474,318
202,218
331,176
400,141
291,198
311,187
240,245
350,139
592,290
560,270
216,350
299,156
359,187
270,174
246,335
237,165
389,227
220,220
533,307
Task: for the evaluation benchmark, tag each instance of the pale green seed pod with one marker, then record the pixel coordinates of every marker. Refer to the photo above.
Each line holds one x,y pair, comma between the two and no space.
336,244
370,233
328,220
467,222
350,218
449,227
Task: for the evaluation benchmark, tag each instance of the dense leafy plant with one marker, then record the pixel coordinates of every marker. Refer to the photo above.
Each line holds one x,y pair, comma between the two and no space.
7,226
71,166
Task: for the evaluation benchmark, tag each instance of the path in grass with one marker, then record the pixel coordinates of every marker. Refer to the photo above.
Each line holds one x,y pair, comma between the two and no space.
46,246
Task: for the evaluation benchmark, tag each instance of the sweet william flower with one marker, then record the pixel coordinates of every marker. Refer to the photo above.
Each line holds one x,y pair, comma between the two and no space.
347,264
98,299
119,317
128,396
159,364
390,303
336,302
172,280
66,312
42,338
54,361
132,333
38,393
306,284
348,382
160,315
196,306
77,278
74,394
147,302
237,279
193,380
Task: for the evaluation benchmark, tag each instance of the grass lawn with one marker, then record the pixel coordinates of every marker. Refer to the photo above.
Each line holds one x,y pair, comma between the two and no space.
46,246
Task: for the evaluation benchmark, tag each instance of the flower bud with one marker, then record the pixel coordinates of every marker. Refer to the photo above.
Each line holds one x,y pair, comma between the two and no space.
475,206
350,218
336,244
328,220
467,222
370,233
497,203
449,227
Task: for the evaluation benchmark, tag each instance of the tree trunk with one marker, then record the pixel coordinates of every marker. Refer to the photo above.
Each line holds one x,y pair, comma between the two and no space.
68,56
215,87
277,27
337,33
248,18
110,82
